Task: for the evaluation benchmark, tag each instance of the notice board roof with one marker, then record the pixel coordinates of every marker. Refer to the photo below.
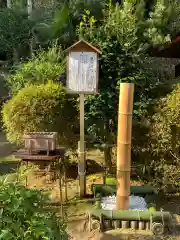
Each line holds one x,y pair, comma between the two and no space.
82,45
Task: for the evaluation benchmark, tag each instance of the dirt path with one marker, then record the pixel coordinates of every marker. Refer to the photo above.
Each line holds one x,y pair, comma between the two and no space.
112,235
6,148
5,156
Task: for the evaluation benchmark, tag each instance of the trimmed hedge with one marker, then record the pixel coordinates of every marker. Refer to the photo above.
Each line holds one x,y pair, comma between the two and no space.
44,107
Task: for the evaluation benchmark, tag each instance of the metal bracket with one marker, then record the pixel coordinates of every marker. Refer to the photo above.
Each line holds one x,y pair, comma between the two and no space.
81,152
81,173
162,216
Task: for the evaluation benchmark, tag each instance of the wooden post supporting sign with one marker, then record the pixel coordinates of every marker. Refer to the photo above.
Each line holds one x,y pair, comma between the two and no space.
82,78
81,149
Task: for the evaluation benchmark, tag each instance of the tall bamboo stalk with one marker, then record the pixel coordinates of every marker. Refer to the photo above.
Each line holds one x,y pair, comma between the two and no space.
124,145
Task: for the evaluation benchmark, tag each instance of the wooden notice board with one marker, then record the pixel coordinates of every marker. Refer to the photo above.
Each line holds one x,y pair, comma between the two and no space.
82,68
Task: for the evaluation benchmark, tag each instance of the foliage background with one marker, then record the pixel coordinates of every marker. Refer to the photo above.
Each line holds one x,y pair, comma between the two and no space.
124,33
23,215
45,65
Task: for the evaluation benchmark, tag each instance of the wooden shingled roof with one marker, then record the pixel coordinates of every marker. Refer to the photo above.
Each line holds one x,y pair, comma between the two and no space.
82,42
169,50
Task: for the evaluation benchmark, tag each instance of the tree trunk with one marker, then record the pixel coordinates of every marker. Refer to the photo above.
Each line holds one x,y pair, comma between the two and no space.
29,7
29,10
15,50
15,56
8,3
108,157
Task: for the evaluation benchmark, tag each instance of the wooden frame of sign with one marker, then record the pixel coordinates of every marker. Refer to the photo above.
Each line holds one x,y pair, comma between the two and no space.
82,68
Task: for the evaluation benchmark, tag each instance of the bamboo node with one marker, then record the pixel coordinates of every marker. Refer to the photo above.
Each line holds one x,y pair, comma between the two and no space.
126,113
80,153
81,173
122,142
123,170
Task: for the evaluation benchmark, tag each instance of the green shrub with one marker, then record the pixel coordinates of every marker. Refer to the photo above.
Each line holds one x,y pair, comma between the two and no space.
46,65
123,37
164,140
15,29
161,150
44,107
166,128
111,180
22,215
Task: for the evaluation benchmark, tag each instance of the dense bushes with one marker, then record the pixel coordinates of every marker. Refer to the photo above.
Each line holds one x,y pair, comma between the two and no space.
166,127
123,37
157,143
46,65
44,107
15,29
164,140
22,215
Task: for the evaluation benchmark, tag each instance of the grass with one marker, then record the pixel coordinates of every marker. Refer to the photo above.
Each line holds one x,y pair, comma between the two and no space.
111,180
9,159
6,150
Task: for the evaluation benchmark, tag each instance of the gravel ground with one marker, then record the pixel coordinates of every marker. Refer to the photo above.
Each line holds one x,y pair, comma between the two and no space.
135,203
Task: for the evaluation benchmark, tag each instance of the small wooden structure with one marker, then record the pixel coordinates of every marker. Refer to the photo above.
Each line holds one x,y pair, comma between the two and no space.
41,148
40,141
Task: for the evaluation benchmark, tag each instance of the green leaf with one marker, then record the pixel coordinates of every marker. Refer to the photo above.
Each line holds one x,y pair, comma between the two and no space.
6,235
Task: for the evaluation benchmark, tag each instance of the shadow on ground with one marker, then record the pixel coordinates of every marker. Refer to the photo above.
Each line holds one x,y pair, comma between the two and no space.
169,203
6,150
6,168
91,167
108,236
105,236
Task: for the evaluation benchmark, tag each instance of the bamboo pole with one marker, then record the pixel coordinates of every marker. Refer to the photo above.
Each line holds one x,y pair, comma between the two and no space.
124,145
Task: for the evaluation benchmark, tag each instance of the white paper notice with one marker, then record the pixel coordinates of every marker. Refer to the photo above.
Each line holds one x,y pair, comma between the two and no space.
82,76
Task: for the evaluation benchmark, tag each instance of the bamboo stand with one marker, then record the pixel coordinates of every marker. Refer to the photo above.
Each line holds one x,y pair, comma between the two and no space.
124,145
